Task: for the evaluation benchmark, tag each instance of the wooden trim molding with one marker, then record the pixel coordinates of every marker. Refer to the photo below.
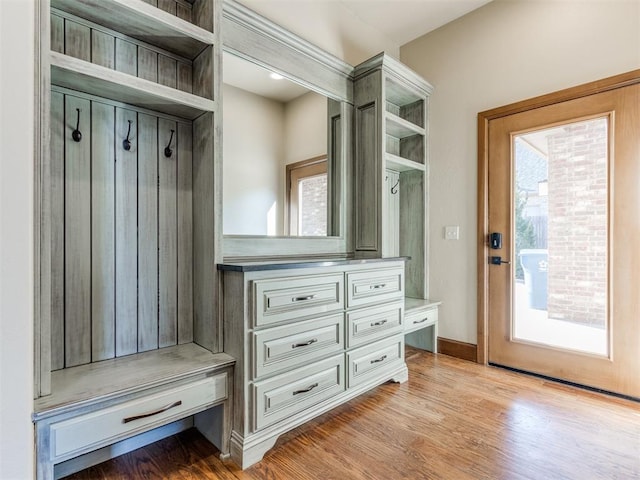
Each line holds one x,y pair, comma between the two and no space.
454,348
591,88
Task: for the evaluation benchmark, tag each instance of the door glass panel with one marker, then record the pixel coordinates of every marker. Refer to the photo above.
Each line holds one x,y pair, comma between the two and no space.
561,236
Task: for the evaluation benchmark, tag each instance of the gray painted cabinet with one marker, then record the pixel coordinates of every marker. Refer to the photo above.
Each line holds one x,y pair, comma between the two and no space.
128,337
391,194
308,337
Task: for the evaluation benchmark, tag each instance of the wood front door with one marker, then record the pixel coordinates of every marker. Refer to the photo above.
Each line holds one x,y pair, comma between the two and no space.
559,281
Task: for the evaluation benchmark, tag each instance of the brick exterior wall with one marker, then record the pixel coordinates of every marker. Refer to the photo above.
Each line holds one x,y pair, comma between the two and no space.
577,241
313,206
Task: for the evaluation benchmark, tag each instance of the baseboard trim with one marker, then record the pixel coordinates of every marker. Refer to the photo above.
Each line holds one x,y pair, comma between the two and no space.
454,348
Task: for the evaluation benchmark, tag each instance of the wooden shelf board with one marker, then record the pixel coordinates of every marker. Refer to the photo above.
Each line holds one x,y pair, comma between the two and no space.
87,77
143,21
400,95
400,128
95,382
418,304
399,164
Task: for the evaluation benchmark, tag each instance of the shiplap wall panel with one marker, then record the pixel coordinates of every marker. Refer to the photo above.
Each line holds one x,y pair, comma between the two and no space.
103,49
77,233
183,11
103,300
168,6
184,78
77,40
125,220
147,64
56,208
147,232
185,238
202,14
108,49
168,234
126,234
57,34
126,57
167,71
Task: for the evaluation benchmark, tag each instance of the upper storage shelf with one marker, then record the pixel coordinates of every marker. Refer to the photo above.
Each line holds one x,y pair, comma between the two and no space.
87,77
401,128
145,22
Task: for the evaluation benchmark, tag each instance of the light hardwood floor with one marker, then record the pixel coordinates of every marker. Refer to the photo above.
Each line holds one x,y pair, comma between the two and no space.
452,420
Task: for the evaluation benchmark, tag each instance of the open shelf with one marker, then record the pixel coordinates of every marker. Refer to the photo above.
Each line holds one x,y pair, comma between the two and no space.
401,95
418,305
399,164
87,77
99,381
145,22
401,128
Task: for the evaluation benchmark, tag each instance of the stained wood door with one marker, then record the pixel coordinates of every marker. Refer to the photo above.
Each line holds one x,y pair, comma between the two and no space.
563,291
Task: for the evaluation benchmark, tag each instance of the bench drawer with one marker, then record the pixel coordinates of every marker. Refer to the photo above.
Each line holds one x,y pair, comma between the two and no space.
369,324
374,360
420,319
288,394
103,427
374,286
283,299
289,346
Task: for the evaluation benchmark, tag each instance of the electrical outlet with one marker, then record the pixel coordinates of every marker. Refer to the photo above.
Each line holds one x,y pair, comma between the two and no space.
452,232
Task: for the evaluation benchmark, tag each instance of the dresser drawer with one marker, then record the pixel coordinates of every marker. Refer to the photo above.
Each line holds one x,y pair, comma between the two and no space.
103,427
420,319
284,299
290,393
368,362
288,346
369,324
374,286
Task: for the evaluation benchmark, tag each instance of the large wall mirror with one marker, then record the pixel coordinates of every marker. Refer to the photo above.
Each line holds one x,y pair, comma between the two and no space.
287,111
277,153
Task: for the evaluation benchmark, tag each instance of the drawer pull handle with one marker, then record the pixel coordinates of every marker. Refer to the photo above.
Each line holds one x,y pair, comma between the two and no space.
305,390
378,360
377,324
421,321
151,414
304,344
380,285
302,299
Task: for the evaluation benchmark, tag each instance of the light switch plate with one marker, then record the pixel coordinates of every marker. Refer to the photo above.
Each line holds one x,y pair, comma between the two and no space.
452,232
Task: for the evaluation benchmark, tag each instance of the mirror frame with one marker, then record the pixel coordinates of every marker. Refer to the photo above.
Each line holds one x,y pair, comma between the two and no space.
252,37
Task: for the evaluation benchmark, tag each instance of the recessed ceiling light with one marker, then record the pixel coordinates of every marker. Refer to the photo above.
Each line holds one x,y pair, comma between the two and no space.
275,76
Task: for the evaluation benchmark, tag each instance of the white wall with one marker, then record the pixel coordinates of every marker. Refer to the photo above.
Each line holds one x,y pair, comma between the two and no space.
16,233
305,126
506,51
252,151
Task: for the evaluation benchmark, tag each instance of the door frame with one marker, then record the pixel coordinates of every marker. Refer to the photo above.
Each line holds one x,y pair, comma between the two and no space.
580,91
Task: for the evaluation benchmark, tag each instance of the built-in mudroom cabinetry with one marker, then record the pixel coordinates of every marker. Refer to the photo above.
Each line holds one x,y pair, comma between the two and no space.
128,333
148,321
308,336
391,191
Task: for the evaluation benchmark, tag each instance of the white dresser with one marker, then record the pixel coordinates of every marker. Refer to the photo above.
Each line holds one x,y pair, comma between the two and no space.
307,337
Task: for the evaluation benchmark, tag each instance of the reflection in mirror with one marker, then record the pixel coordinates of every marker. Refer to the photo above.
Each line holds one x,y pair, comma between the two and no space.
274,153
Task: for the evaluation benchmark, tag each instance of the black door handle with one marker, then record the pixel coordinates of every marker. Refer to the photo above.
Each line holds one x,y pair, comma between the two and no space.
498,261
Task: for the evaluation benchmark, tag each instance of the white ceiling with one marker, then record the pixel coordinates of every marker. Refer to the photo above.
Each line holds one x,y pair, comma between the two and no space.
406,20
248,76
351,29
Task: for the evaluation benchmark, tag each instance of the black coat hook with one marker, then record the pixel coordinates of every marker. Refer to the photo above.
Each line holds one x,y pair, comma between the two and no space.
167,151
126,143
394,189
76,134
